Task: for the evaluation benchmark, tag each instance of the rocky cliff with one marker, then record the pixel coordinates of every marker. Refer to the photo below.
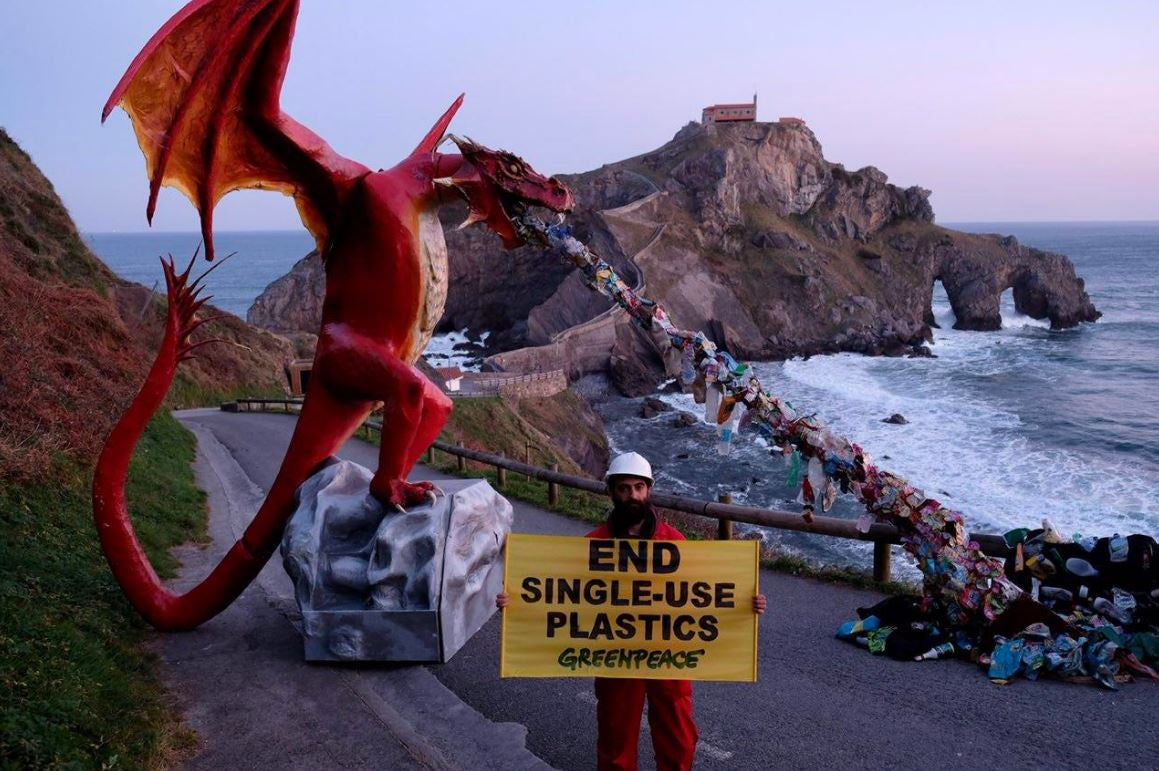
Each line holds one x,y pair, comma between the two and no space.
76,341
746,229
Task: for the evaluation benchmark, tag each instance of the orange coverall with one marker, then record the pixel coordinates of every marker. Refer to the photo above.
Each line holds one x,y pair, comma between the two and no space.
620,706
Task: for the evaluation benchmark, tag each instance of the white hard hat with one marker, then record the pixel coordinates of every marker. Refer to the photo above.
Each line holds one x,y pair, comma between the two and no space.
630,464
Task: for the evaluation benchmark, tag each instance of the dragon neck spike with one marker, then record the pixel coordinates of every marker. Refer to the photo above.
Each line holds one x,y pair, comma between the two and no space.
433,138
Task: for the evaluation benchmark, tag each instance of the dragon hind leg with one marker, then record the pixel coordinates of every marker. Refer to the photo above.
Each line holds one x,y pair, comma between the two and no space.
353,366
437,408
434,407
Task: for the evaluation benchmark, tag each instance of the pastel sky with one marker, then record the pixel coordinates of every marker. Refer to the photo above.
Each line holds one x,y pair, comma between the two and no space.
1007,111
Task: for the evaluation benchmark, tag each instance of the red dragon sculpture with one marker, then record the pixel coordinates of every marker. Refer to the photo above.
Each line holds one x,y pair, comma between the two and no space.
203,96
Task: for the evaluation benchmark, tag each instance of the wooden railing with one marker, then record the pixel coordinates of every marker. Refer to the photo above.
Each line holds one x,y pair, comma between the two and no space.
502,380
883,536
258,404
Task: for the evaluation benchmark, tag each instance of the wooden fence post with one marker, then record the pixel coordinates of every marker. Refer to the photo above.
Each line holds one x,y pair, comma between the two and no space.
724,526
462,461
882,555
553,489
501,475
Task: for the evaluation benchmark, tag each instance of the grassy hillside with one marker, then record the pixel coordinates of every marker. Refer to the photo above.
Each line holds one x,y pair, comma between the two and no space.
77,687
493,425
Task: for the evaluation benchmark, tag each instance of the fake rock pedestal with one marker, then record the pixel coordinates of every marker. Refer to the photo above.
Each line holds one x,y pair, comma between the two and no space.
378,585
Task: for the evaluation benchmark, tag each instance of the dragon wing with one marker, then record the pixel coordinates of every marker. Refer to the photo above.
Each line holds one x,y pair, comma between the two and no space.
203,96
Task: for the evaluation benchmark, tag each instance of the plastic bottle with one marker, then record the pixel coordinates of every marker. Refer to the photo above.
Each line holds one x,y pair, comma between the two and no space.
963,643
1119,548
857,626
1108,610
937,652
1016,536
1081,568
724,446
1056,594
1124,601
1040,566
816,476
687,364
711,401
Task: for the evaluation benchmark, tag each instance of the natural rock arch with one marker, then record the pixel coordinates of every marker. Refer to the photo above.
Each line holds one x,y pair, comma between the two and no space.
1045,286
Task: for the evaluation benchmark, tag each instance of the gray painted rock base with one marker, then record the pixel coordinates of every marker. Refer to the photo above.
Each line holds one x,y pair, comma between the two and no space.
376,585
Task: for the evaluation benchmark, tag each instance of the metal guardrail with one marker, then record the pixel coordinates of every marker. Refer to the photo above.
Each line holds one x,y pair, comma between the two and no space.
724,511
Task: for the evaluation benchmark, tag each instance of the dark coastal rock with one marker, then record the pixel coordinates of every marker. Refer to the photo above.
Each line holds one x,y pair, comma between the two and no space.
292,303
684,420
744,231
896,419
652,407
635,364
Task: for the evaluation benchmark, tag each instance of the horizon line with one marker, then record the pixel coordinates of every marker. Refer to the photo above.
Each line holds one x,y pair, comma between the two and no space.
303,230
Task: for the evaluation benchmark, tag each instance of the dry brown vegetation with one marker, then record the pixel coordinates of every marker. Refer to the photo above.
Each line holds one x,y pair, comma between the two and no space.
75,340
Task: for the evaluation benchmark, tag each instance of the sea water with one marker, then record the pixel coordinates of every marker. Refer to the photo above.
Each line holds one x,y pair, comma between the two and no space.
258,259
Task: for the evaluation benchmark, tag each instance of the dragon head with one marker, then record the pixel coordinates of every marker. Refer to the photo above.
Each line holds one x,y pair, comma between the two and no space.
498,185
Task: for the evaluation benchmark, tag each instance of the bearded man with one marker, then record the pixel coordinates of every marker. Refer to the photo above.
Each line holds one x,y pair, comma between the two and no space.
620,701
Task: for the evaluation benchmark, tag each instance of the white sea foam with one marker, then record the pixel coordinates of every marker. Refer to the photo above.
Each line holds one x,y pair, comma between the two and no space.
1011,318
974,454
440,351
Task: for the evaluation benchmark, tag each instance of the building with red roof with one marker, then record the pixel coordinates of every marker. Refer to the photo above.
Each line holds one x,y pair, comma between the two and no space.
730,113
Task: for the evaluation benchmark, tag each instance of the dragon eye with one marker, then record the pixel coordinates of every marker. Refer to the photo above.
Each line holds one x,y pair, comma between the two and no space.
514,168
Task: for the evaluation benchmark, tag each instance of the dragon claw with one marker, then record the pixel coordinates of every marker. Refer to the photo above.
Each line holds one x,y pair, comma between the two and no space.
399,494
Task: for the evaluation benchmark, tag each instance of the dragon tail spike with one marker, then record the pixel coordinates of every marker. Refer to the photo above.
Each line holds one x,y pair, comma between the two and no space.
197,281
202,322
183,278
200,343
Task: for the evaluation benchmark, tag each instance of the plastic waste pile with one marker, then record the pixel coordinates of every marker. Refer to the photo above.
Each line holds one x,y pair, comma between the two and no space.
1106,589
970,606
1090,612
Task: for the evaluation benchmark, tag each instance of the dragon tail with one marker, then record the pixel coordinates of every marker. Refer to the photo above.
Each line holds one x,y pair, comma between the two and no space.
129,563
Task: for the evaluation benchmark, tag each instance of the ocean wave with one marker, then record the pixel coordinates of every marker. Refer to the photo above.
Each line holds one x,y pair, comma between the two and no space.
974,453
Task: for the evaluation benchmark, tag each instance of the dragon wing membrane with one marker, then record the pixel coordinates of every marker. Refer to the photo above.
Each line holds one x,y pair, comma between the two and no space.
203,97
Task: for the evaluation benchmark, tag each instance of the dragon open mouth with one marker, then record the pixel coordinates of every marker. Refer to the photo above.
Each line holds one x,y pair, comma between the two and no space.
498,186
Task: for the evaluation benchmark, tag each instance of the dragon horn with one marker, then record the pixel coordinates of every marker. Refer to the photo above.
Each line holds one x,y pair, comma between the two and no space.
434,137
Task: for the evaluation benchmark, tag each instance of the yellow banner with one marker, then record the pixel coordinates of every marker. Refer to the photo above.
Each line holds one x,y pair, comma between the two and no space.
670,610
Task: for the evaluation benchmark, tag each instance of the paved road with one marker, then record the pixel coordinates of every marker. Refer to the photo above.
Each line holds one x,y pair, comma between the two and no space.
819,703
240,678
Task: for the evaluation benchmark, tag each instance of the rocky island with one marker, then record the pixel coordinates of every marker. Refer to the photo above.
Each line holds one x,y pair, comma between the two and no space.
744,230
